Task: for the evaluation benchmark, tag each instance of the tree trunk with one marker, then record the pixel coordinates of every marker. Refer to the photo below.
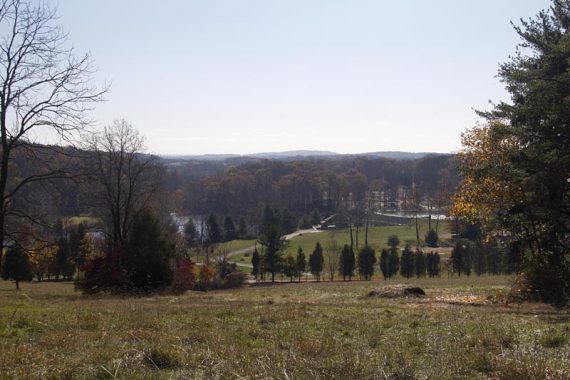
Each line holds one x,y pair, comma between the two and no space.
366,233
417,229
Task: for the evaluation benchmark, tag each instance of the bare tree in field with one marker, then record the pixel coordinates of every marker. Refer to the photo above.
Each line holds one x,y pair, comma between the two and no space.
44,91
124,180
332,249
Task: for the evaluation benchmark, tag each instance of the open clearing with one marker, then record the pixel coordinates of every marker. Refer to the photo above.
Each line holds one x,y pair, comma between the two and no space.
377,238
305,331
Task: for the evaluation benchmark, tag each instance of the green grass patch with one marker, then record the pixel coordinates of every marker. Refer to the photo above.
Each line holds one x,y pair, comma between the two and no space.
377,237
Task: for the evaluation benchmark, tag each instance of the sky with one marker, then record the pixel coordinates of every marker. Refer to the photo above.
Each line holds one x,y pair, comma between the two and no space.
247,76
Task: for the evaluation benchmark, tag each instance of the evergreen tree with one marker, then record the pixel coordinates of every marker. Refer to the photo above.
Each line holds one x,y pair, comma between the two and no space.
75,238
514,258
394,263
213,228
432,238
493,260
287,222
64,265
229,229
407,263
147,254
393,242
457,258
467,262
255,262
316,261
420,263
16,266
347,263
366,261
304,223
191,233
315,217
301,263
516,164
480,258
433,264
271,238
290,267
384,264
242,228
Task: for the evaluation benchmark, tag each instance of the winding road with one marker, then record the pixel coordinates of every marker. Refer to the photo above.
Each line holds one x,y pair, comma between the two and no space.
287,237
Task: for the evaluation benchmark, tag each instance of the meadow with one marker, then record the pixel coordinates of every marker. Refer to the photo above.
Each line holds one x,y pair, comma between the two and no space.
377,238
462,329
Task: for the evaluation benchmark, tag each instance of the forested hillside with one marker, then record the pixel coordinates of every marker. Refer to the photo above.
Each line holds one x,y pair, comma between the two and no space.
307,184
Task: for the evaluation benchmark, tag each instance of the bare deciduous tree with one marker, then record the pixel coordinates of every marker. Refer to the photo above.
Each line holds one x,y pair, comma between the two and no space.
332,249
44,90
124,179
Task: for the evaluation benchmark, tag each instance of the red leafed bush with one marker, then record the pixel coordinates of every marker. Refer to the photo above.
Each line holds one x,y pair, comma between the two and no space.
99,275
183,278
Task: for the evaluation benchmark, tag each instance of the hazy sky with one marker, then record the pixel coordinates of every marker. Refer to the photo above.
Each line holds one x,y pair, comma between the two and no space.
245,76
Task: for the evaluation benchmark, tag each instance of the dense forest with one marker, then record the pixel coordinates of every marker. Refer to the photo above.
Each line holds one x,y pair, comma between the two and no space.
302,185
242,190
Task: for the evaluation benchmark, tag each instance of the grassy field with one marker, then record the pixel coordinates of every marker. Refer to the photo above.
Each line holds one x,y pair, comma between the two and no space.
377,237
236,245
301,331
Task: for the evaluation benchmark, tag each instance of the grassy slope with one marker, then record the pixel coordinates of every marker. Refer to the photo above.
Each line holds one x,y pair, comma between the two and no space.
377,237
304,331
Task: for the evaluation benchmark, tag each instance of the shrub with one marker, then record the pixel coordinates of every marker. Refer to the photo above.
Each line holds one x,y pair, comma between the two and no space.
432,238
234,280
183,278
206,277
16,266
99,275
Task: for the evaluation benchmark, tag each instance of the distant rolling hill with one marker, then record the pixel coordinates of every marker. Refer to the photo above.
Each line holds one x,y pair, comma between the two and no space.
293,154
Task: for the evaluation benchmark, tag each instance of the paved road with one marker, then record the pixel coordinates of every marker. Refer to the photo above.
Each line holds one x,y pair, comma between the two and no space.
287,237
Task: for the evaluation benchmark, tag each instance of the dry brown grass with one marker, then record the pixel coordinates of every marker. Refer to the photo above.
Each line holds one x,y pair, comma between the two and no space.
304,331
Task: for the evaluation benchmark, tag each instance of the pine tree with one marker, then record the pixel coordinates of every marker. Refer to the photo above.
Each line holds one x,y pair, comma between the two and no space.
75,238
347,263
384,264
433,264
394,263
290,267
271,239
64,265
457,258
432,238
420,263
242,228
190,233
147,254
255,262
315,217
301,263
213,228
467,262
366,261
16,266
393,242
287,223
229,229
316,261
516,163
407,263
480,257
